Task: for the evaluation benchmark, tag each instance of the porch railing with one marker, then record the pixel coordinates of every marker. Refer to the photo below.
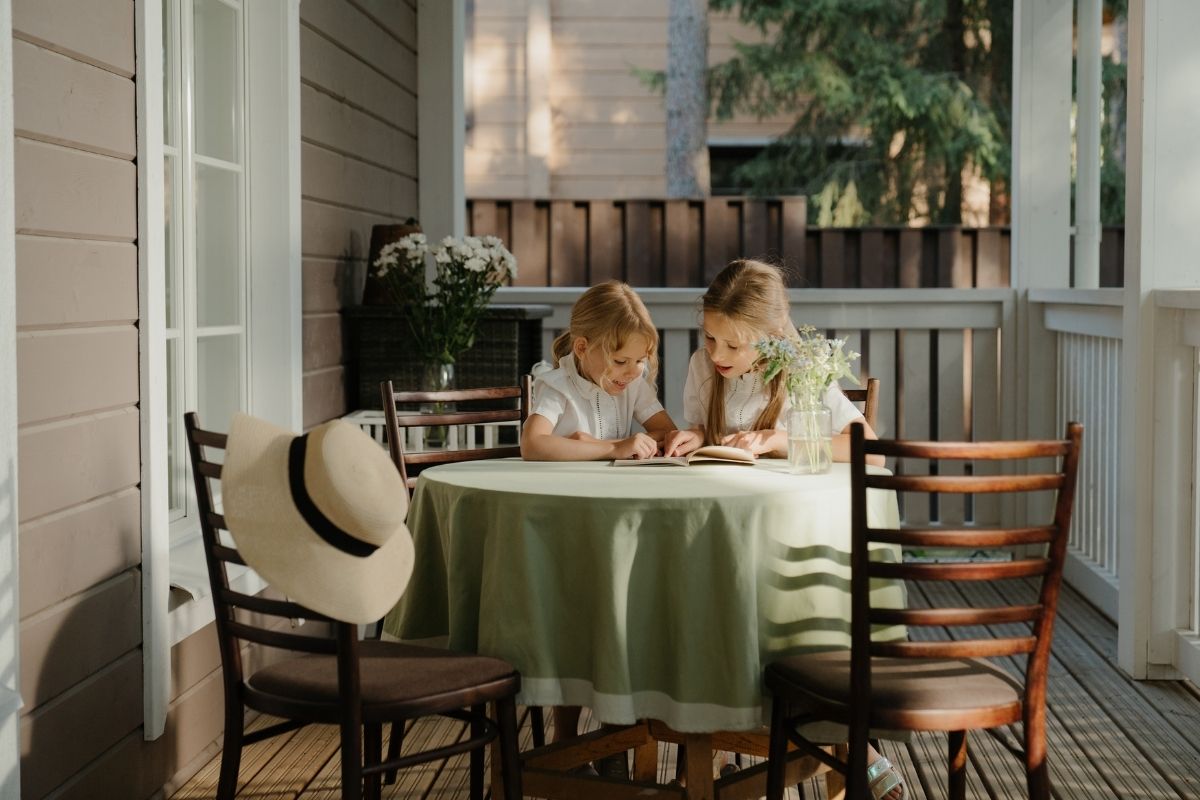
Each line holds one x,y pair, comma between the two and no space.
937,353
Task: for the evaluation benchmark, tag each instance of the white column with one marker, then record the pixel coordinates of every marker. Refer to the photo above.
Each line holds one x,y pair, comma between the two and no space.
539,125
10,701
1041,188
1162,250
1087,147
441,123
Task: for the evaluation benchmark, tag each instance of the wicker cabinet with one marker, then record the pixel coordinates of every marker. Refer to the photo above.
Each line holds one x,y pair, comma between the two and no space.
508,344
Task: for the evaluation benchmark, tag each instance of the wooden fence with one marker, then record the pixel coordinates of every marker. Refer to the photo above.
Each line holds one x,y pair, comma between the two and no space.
682,243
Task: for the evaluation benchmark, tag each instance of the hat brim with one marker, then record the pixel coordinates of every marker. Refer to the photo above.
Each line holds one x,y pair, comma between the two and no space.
278,544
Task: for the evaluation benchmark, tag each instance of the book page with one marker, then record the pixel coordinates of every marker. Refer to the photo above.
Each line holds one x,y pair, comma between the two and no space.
718,452
656,461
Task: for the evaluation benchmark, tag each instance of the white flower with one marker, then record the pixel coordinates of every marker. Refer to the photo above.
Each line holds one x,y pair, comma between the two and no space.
441,257
475,264
449,241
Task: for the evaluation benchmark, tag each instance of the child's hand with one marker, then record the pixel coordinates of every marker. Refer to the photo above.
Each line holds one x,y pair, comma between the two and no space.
637,446
757,442
680,443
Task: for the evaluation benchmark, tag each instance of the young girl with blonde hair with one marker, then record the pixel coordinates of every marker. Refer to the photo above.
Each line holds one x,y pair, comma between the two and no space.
725,399
585,407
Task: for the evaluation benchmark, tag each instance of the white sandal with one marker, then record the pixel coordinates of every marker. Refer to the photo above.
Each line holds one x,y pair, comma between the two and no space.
883,779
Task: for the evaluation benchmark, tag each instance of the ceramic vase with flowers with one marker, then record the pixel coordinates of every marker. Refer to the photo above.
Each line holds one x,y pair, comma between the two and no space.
810,363
442,317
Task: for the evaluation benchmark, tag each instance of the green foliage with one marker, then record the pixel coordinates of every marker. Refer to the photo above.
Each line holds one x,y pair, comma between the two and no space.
894,98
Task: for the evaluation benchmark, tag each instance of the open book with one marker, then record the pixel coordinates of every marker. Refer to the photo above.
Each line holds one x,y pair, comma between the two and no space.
708,453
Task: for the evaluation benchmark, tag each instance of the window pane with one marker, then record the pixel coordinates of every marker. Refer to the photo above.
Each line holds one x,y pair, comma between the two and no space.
218,379
170,225
218,250
176,469
217,97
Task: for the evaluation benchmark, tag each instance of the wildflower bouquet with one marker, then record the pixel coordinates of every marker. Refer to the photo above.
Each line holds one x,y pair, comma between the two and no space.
443,321
809,363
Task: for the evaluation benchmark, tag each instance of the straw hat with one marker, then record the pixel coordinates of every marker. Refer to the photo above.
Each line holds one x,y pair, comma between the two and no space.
320,516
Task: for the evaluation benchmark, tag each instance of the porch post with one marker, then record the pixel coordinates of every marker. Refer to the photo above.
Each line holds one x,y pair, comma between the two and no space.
1041,189
1087,148
1162,241
10,700
441,120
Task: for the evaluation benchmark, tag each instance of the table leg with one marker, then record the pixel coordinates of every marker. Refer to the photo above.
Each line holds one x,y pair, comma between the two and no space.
699,766
645,761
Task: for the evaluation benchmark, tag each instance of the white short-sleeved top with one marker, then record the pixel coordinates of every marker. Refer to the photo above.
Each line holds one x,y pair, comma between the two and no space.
574,404
746,397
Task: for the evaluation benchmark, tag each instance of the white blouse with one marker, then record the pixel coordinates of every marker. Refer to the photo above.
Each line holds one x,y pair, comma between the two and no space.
746,397
574,404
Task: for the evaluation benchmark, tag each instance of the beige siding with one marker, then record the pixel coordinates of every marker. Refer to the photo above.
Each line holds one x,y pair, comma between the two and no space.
77,316
609,130
359,166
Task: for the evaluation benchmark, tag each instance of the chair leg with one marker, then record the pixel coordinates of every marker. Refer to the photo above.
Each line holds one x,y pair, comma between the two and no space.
1037,770
478,713
352,759
510,759
373,747
231,753
537,722
958,765
394,746
777,750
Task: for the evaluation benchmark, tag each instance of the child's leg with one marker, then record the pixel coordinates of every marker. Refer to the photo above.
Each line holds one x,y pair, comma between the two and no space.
566,722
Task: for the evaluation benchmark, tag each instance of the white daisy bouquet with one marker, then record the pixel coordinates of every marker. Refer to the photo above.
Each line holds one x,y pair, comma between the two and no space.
443,320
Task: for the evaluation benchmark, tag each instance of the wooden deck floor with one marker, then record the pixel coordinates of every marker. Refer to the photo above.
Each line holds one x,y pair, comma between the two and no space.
1109,737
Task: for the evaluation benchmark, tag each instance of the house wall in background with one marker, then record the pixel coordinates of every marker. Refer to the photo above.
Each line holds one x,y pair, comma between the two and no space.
608,130
77,354
358,124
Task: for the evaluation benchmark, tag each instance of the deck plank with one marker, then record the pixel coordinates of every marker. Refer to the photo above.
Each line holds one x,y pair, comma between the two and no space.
1109,736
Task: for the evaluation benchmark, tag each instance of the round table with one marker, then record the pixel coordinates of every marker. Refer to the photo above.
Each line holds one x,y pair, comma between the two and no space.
643,592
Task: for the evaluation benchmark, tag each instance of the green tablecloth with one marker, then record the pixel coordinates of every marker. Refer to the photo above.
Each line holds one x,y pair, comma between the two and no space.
642,592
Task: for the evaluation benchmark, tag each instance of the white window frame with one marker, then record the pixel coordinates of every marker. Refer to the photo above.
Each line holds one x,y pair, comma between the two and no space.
272,299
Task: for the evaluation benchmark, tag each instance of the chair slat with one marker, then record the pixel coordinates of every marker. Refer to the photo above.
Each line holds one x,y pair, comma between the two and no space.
962,648
282,640
228,554
455,456
458,395
457,418
208,469
955,616
962,537
965,484
975,451
267,605
210,438
216,520
1003,570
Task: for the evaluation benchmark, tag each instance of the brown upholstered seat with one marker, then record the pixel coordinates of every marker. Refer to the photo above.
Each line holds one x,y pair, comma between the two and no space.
330,676
934,684
931,694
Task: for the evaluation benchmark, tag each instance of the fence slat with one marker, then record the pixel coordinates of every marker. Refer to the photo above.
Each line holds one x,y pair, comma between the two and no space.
754,229
910,259
640,245
985,414
871,260
720,236
881,364
793,233
917,395
682,243
568,224
530,243
483,218
604,242
833,258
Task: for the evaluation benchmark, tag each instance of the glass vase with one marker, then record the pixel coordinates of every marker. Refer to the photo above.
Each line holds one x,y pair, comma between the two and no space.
437,377
810,438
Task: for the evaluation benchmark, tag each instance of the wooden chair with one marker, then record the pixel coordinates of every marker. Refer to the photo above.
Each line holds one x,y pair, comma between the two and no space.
339,680
936,685
869,397
410,464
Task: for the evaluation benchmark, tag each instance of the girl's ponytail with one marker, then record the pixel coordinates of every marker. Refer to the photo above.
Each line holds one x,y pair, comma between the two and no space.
561,347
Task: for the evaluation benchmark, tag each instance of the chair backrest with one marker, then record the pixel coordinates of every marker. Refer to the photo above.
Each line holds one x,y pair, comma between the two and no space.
410,464
869,397
265,621
1046,567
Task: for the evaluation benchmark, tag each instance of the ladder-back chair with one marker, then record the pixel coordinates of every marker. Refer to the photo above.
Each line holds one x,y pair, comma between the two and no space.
936,685
869,397
338,679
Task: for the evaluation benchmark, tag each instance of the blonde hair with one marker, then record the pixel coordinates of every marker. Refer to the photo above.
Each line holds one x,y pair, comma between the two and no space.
608,315
753,297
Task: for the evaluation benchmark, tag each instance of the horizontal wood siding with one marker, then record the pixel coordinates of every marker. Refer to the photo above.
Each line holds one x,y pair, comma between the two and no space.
685,243
609,129
358,166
